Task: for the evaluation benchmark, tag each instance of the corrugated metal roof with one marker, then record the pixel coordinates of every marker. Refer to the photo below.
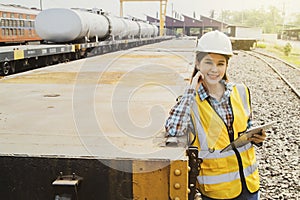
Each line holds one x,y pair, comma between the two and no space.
17,9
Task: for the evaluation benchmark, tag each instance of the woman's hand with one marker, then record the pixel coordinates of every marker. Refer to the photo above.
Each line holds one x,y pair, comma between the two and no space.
197,80
258,138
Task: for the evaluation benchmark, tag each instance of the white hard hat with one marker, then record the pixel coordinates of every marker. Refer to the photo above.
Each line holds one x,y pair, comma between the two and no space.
215,42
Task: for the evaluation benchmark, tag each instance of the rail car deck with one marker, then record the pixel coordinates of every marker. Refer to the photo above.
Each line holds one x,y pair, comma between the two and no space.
109,107
44,108
9,53
21,57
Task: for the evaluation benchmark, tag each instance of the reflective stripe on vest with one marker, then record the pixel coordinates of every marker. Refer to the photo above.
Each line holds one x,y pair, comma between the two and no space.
243,95
199,128
226,177
217,154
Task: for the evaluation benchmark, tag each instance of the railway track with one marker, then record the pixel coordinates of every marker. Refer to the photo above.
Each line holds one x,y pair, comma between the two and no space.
273,100
287,72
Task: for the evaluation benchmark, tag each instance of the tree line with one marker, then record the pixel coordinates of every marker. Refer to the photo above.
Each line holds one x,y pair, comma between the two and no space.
271,20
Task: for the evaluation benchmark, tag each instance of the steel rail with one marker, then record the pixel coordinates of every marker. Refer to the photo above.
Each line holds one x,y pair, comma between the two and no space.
275,70
276,58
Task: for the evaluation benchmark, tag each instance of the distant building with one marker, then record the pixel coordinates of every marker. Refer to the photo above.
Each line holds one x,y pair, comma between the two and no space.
212,24
291,34
189,26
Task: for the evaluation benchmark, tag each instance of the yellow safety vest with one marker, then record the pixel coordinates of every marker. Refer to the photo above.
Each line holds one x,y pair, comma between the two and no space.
219,176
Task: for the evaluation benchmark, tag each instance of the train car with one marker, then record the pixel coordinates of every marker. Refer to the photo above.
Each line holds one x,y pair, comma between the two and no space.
76,37
17,24
77,25
72,34
243,37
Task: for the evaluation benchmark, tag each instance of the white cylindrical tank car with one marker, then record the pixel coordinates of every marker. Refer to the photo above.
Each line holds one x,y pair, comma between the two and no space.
146,29
155,30
118,27
133,28
66,25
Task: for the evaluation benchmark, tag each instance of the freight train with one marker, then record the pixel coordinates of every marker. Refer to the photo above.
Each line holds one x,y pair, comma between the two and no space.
67,25
71,34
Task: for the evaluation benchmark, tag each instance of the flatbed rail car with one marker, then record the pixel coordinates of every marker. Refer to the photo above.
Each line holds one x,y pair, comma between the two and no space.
21,57
93,129
244,38
243,43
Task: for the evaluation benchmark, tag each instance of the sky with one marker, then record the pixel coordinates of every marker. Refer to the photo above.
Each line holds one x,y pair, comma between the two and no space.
187,7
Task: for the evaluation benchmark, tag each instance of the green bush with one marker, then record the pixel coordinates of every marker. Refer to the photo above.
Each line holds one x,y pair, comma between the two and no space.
261,45
278,47
287,49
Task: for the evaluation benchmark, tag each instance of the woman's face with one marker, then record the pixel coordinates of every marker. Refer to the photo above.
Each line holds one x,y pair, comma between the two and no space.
213,68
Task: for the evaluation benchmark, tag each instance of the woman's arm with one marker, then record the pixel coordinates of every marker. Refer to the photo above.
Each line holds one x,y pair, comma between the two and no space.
178,122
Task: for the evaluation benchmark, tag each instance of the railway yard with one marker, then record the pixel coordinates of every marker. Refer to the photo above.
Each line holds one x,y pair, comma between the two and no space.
115,105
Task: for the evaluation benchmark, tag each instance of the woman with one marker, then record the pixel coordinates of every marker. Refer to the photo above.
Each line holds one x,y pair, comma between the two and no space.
216,111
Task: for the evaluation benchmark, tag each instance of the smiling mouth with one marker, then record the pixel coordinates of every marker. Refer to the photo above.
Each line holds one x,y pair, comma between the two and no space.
212,76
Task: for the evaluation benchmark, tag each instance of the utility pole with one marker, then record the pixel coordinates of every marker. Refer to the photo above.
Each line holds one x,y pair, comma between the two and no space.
283,19
41,4
222,21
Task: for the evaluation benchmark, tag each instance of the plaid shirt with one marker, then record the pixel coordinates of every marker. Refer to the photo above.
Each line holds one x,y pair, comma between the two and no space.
179,123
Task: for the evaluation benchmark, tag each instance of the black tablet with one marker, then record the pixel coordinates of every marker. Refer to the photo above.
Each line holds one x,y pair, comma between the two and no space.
243,138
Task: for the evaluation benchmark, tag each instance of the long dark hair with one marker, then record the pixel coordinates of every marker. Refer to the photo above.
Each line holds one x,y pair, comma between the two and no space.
200,56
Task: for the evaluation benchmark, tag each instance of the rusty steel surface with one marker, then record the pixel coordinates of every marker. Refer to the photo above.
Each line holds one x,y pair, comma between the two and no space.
109,106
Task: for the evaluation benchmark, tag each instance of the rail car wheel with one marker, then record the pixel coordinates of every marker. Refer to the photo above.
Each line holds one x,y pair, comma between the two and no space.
6,68
12,69
76,55
46,61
